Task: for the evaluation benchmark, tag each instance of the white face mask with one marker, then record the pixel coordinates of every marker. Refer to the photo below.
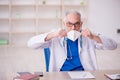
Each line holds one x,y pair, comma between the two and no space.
73,35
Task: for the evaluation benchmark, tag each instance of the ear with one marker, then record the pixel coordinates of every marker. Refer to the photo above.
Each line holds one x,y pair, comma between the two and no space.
81,23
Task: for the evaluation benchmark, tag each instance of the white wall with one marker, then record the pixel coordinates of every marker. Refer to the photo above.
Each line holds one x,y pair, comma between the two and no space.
104,17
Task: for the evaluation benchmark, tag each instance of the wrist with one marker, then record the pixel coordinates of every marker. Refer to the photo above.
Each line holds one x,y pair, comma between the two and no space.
96,38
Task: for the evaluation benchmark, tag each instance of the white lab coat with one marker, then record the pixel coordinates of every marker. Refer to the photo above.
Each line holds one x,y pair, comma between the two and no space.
58,50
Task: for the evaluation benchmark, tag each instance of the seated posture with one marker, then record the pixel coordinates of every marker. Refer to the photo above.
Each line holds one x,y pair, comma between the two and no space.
72,48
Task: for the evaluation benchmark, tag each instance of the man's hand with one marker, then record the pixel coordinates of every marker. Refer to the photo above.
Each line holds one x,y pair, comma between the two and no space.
58,33
87,33
61,33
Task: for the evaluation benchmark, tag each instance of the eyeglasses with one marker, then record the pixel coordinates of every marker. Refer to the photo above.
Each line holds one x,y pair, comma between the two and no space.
69,24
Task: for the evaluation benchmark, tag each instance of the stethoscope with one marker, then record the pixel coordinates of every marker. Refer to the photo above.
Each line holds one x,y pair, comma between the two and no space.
64,45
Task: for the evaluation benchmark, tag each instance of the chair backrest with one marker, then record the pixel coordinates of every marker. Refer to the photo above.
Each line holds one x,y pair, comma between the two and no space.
47,58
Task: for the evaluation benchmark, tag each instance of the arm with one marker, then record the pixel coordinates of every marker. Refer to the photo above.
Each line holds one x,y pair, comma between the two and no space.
58,33
107,43
38,41
101,42
44,40
87,33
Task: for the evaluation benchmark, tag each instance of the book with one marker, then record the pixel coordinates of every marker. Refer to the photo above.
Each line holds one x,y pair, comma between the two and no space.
113,76
40,74
27,77
23,73
3,42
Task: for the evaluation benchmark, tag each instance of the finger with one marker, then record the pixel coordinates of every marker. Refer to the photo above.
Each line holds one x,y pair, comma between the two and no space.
62,33
85,32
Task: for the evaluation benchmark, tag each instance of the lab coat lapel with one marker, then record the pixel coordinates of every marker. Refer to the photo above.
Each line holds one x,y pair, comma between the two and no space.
63,44
79,47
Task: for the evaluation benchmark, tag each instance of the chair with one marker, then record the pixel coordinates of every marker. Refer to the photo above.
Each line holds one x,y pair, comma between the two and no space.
47,58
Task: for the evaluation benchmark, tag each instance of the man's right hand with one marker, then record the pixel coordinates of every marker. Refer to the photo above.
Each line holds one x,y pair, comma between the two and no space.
58,33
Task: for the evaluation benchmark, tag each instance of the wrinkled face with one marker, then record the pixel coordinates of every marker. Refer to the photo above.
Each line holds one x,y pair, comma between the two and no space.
73,22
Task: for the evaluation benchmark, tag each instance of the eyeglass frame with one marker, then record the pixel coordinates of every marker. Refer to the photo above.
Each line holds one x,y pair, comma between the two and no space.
76,24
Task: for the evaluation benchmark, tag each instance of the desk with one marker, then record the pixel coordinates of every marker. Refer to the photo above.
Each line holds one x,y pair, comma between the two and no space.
99,75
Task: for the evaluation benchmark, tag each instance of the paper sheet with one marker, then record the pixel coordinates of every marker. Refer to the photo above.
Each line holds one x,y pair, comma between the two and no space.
80,75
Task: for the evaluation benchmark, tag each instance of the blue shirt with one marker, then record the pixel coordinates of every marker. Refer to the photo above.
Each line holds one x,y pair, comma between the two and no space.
73,62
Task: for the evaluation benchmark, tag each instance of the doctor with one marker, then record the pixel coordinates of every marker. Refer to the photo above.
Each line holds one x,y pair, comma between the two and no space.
72,48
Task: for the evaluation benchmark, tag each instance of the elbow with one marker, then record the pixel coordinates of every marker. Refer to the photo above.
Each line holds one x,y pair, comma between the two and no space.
114,46
34,45
31,45
108,43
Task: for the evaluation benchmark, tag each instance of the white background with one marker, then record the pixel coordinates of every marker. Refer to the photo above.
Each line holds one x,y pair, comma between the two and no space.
104,17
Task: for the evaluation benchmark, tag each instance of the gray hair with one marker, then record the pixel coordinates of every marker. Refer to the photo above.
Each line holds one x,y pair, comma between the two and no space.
73,12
